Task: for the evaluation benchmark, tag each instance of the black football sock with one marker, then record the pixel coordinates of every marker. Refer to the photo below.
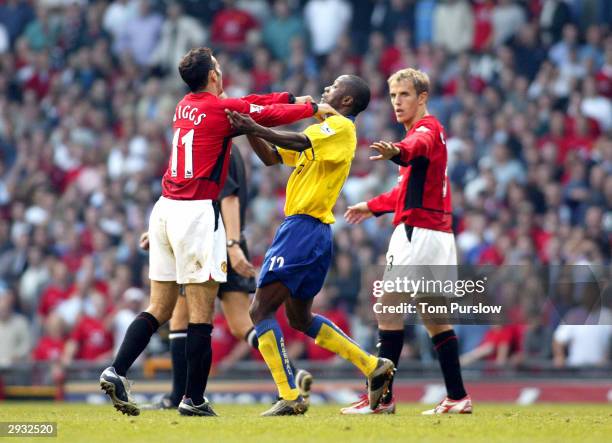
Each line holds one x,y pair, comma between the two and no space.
390,345
178,342
445,344
199,359
135,341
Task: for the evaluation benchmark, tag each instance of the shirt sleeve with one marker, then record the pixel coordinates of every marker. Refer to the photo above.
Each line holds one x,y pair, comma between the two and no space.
270,99
271,115
420,143
323,135
232,184
384,203
563,334
288,157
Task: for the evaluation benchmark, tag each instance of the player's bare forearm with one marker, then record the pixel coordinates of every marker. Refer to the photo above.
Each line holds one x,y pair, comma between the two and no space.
230,212
295,141
265,151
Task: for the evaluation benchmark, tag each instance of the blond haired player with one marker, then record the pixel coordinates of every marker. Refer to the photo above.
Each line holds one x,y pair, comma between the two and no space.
421,204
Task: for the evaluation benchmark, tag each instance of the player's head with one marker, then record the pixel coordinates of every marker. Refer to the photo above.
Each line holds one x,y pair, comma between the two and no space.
349,95
201,71
409,90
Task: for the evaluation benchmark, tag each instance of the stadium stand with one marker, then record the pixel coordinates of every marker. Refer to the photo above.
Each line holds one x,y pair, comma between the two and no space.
87,90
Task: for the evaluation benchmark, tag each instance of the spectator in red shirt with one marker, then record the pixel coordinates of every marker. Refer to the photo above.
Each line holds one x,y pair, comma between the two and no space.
483,25
603,78
464,79
231,26
90,340
42,75
262,74
58,290
501,344
50,346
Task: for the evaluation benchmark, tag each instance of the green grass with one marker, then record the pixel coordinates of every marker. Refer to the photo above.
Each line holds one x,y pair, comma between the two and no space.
502,423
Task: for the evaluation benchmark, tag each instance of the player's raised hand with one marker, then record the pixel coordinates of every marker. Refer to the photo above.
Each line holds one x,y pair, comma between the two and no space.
239,262
241,122
357,213
303,99
144,241
385,150
325,110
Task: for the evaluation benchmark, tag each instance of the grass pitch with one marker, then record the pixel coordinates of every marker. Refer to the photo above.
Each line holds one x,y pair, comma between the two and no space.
237,423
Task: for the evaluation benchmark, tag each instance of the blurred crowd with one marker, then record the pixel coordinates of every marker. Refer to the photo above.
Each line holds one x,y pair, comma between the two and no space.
87,93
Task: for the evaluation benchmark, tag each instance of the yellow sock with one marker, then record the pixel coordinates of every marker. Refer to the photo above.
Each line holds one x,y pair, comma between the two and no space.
272,348
329,336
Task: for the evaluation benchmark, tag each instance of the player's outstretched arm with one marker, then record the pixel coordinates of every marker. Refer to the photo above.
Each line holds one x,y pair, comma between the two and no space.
280,114
357,213
295,141
386,150
264,150
384,203
419,143
276,97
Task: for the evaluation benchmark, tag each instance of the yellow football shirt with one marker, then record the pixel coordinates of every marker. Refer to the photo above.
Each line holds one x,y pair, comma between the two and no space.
321,170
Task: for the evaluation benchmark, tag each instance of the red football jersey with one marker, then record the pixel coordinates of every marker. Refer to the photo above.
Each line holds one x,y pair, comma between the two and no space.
92,337
48,349
202,137
422,197
222,340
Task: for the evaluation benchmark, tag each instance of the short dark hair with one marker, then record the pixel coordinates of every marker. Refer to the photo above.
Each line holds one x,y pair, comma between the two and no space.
357,88
194,68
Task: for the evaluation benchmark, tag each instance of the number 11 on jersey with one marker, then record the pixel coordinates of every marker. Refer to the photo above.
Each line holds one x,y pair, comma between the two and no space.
187,142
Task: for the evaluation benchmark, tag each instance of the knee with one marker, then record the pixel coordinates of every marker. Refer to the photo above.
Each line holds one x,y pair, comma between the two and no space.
255,312
299,323
434,329
237,330
162,313
390,321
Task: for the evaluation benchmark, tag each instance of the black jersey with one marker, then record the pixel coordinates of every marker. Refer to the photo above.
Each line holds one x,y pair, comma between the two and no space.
236,183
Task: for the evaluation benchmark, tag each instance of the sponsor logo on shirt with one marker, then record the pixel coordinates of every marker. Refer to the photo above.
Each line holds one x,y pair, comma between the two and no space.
255,108
325,129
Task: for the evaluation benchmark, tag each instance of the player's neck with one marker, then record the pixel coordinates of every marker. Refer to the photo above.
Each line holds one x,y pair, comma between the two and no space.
418,116
346,112
211,89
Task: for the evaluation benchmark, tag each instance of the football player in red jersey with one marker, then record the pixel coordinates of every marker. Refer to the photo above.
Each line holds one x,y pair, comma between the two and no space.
423,235
186,235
